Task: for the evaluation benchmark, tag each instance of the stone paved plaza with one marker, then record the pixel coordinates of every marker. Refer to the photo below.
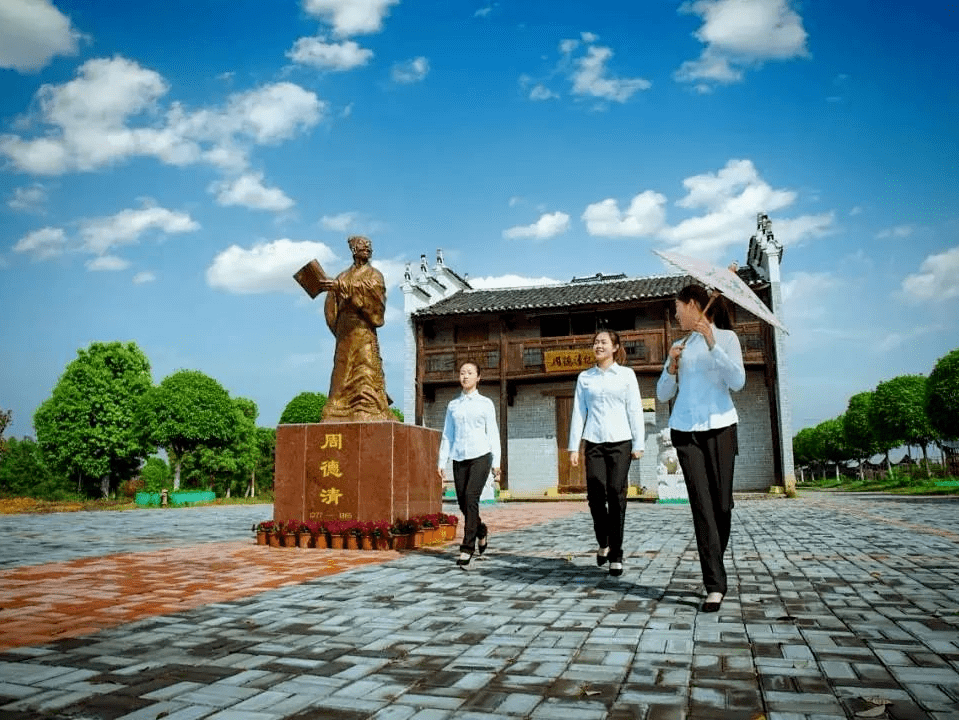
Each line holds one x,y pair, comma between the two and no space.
840,606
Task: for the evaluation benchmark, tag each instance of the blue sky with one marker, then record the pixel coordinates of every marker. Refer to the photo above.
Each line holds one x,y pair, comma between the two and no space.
165,166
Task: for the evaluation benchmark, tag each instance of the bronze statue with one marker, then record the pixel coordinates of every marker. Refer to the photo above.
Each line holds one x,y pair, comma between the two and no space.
354,308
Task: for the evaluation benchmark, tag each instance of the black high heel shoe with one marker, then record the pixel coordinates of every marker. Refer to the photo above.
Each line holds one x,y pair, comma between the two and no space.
711,606
463,560
481,544
602,555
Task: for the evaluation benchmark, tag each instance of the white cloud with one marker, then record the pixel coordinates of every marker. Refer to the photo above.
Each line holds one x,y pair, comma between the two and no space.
392,271
125,228
492,282
584,64
33,32
339,223
273,112
351,17
107,263
937,279
804,296
541,92
549,225
791,232
317,52
483,11
265,267
722,203
141,278
900,231
645,216
592,78
88,115
31,199
248,191
739,34
730,199
42,244
90,118
410,71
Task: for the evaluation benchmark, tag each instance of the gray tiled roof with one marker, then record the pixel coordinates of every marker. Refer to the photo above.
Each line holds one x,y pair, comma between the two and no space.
580,292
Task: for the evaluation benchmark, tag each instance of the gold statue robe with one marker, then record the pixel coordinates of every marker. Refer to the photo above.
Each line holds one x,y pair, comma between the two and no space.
354,309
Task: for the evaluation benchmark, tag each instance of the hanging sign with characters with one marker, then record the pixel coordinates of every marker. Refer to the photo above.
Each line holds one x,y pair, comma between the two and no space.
568,360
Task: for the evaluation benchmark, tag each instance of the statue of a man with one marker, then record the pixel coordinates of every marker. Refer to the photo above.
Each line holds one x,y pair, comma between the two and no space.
355,305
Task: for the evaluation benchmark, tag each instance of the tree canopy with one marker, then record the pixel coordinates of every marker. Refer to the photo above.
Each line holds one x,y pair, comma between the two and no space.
307,407
185,411
87,427
942,396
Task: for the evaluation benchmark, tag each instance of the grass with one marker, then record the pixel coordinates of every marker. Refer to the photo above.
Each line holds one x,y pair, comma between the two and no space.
895,484
12,506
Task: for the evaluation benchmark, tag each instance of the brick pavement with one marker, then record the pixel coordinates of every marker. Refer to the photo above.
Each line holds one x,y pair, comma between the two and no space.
842,606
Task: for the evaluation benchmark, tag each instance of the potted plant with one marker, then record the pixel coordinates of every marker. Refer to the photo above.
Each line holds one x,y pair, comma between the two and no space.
262,530
428,525
364,533
303,534
415,524
337,530
318,533
380,533
289,529
354,532
399,535
449,527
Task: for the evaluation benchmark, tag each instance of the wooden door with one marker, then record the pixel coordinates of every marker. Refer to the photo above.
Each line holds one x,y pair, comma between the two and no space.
571,479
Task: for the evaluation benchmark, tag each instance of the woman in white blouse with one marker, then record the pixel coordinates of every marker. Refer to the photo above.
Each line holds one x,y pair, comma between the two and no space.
699,373
608,415
471,440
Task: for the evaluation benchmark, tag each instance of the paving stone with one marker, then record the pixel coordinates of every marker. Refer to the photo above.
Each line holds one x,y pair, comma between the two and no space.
830,603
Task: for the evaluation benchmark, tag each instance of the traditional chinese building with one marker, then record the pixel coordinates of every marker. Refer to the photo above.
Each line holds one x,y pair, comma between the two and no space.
531,342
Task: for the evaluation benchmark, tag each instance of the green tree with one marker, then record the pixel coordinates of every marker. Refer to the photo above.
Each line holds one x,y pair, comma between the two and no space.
228,466
156,474
860,436
398,413
307,407
804,450
87,427
898,414
265,465
832,442
24,472
186,411
942,396
5,417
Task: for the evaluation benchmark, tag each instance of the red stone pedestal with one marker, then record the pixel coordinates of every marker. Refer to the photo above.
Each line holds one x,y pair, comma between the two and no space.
356,471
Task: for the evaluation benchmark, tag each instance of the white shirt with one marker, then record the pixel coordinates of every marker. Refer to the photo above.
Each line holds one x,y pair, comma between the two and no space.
607,407
704,381
470,429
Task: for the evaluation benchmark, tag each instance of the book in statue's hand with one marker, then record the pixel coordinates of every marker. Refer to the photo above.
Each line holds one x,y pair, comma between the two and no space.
309,277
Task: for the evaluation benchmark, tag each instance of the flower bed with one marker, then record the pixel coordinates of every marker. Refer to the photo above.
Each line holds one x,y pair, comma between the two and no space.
402,534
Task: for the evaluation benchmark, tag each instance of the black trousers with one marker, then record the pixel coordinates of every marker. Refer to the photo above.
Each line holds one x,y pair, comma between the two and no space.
469,477
708,459
607,480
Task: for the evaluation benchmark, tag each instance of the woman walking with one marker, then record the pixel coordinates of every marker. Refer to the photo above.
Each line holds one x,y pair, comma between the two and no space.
699,373
471,440
608,416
